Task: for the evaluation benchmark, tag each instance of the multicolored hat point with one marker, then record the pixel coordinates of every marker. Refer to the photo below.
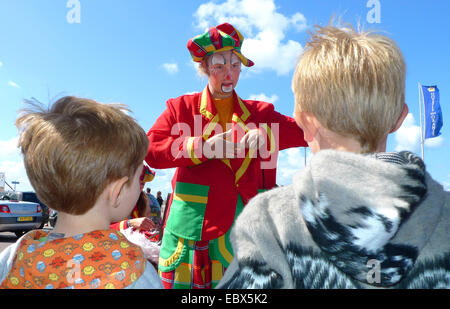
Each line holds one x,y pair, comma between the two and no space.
147,174
221,38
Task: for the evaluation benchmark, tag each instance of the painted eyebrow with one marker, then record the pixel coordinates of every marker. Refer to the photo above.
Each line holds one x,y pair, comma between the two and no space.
235,59
218,59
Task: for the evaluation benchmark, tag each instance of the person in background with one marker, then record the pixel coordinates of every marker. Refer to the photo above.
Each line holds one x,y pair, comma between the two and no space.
159,198
84,160
224,150
152,199
155,208
356,216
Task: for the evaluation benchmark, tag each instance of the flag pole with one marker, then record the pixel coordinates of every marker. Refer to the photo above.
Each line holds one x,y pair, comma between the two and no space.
305,155
420,110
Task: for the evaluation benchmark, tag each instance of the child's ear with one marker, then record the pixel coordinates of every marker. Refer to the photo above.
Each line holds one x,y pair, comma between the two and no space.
401,118
115,188
309,124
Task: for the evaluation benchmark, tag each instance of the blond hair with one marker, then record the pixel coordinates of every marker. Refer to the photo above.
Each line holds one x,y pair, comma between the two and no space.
353,82
74,149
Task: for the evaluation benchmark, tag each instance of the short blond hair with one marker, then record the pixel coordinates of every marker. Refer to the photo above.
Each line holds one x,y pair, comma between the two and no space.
74,149
352,81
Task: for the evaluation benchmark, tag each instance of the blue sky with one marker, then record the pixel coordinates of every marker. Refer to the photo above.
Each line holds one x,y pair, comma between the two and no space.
134,52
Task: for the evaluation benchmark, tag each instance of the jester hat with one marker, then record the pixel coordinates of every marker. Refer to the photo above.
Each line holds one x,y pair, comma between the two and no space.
221,38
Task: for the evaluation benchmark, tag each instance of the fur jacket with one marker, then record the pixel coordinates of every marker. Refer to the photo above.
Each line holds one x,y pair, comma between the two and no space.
347,221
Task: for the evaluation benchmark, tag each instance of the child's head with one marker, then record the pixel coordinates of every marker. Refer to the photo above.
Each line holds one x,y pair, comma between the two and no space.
352,82
76,148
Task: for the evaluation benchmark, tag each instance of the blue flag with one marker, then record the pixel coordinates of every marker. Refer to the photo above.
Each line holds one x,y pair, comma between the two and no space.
433,113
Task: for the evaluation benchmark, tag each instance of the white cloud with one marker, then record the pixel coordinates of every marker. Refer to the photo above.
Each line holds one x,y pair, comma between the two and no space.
290,161
1,64
434,142
161,182
262,97
13,84
293,155
408,135
171,68
299,21
446,183
264,30
11,163
9,148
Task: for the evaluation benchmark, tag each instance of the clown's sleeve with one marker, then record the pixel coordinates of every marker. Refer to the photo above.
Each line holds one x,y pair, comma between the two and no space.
171,143
119,226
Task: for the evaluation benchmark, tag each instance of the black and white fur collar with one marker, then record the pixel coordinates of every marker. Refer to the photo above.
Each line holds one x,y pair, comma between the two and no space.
355,205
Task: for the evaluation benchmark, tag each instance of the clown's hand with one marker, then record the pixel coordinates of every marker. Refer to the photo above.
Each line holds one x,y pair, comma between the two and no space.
219,146
142,223
253,139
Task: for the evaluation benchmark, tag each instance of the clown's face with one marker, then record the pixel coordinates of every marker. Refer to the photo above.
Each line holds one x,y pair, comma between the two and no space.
223,69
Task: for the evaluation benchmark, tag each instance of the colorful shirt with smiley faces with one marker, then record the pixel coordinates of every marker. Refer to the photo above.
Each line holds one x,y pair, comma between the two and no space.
98,259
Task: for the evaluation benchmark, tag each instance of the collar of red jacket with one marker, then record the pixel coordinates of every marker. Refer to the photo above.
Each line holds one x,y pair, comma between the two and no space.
208,110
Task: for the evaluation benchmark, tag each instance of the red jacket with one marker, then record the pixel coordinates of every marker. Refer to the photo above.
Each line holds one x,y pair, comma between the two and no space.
205,191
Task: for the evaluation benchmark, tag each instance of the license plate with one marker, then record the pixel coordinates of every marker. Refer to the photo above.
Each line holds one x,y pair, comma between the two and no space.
21,219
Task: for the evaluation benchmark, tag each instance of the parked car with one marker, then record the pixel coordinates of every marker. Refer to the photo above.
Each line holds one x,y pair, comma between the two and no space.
30,196
18,216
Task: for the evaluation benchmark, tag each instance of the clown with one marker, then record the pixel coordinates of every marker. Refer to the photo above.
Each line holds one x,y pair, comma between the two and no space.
224,149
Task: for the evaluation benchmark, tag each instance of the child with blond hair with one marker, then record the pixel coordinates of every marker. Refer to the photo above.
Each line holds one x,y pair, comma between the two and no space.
356,216
83,159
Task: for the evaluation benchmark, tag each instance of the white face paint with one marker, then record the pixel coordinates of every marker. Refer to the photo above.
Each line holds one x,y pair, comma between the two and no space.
235,59
218,59
224,69
227,88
